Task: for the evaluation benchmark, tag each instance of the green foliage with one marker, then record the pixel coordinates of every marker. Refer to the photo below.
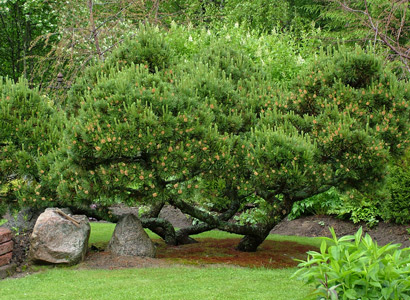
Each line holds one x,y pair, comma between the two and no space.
260,15
210,128
371,97
382,23
256,214
389,203
29,130
147,47
358,70
355,267
248,53
273,53
23,22
208,82
321,204
397,208
373,105
361,207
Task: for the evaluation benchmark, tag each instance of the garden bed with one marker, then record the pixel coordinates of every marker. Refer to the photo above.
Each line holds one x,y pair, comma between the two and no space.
316,226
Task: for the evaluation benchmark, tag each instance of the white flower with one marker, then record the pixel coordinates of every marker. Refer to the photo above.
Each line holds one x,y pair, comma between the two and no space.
190,38
236,25
300,60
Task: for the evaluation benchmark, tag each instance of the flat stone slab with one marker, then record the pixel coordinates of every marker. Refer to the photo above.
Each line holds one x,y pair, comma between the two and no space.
6,247
5,235
5,259
7,270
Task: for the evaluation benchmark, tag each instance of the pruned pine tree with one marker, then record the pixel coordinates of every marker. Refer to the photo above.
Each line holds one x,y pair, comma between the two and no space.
215,137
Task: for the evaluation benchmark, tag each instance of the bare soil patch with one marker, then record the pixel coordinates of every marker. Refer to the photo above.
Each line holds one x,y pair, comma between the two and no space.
315,226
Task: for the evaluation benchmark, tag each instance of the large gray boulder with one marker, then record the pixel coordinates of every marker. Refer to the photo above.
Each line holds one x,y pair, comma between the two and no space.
129,238
59,238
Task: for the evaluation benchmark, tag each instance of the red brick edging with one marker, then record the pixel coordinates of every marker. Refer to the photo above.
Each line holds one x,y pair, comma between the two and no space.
5,235
6,246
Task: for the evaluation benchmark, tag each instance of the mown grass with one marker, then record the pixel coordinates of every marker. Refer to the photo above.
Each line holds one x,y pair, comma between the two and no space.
156,283
101,233
173,282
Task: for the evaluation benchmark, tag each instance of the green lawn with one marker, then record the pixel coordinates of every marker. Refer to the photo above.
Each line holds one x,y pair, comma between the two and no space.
156,283
101,233
177,282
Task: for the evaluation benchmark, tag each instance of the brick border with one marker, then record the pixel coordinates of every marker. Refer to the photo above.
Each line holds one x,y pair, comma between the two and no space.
6,246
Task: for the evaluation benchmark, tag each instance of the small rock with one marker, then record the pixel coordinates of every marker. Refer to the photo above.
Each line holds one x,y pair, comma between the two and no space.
129,238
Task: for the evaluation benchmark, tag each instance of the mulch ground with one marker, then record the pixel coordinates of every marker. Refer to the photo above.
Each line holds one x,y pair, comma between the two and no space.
208,251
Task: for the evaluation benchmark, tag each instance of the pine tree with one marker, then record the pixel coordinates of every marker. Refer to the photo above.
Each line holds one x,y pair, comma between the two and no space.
214,136
30,128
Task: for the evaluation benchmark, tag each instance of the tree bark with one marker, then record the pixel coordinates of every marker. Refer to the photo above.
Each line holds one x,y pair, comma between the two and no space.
250,243
161,227
184,233
215,221
154,210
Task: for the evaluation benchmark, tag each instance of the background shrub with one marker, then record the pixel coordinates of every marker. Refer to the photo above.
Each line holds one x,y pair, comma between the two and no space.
322,204
397,208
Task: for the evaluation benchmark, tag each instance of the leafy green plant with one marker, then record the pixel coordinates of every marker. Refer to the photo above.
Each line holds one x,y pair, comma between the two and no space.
317,205
355,267
3,221
361,207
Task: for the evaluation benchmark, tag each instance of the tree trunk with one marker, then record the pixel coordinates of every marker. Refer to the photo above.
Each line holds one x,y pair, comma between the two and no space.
250,243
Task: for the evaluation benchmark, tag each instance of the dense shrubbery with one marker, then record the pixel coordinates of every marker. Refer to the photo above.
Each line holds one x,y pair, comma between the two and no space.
389,203
30,128
322,204
398,208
